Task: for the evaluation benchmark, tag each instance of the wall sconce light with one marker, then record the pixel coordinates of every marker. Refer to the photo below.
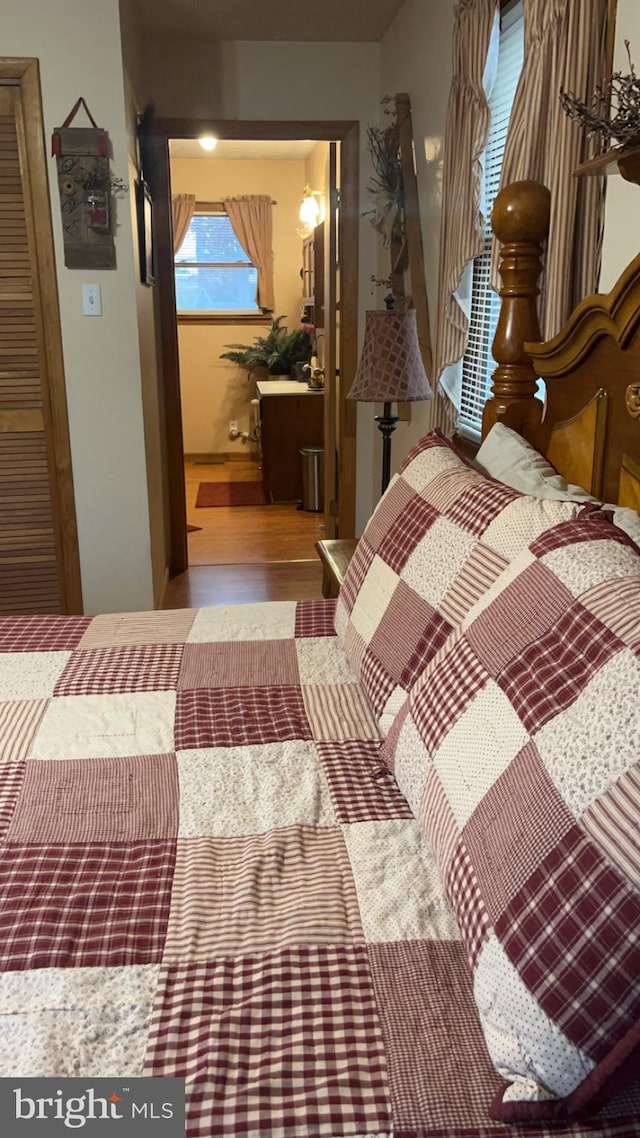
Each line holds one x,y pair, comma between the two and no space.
309,211
208,142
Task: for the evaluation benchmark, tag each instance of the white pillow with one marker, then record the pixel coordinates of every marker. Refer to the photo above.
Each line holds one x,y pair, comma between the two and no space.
509,458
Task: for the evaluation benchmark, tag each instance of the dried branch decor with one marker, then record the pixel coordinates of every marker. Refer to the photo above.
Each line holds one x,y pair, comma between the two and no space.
614,111
385,184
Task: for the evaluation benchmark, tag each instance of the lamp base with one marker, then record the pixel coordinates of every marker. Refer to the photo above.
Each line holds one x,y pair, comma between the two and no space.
386,425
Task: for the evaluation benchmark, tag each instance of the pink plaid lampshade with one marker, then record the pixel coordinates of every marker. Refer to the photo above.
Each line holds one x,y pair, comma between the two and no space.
390,368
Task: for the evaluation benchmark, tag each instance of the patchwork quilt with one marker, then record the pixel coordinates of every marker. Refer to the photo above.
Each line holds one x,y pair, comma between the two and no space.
206,871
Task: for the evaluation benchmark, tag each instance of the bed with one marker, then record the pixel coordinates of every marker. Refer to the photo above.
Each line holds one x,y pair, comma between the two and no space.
278,849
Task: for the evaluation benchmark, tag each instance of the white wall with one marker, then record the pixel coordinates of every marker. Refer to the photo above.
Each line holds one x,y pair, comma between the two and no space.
622,210
78,45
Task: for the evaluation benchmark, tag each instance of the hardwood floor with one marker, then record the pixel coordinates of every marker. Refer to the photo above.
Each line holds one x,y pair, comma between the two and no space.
245,553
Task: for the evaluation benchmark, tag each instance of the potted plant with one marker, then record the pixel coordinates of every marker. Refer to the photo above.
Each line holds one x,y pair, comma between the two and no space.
278,352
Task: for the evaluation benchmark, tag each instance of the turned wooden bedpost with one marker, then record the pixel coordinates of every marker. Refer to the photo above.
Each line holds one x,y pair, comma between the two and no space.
520,221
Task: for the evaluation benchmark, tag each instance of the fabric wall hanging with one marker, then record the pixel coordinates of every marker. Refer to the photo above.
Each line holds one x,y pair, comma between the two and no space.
84,182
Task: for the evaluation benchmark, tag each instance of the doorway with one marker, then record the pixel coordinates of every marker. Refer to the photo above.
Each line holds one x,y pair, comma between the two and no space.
339,415
242,428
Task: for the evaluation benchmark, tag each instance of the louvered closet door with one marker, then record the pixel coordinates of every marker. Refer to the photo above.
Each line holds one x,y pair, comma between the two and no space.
35,483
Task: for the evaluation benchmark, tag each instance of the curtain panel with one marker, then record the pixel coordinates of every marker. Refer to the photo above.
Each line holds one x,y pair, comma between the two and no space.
466,131
251,218
565,48
182,210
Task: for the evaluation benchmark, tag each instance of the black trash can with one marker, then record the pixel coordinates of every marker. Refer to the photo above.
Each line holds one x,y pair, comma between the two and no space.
312,478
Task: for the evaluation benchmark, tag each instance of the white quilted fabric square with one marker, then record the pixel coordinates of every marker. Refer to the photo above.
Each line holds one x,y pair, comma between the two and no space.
393,705
582,567
523,520
398,883
437,560
273,620
492,733
30,675
76,1022
249,790
426,465
412,765
105,726
592,742
520,1038
373,598
322,660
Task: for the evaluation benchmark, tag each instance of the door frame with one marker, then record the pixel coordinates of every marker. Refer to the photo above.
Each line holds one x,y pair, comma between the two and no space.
23,73
348,134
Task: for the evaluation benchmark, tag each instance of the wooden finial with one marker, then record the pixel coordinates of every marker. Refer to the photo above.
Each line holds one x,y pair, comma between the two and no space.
520,220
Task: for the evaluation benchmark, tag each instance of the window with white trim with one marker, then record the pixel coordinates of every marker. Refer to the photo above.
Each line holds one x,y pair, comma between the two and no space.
477,362
213,274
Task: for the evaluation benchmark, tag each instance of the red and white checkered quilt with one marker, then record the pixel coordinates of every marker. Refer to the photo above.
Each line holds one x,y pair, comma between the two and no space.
206,872
519,751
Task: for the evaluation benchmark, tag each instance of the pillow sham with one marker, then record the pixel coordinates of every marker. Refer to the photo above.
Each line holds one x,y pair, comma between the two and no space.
517,750
505,455
439,537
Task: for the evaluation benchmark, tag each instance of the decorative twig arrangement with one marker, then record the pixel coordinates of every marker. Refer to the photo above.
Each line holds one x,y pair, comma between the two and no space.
385,184
614,111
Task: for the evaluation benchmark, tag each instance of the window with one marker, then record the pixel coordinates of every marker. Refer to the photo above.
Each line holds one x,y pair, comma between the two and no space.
214,276
477,362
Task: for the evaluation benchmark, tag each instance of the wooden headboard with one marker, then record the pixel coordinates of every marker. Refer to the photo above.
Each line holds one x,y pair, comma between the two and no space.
590,427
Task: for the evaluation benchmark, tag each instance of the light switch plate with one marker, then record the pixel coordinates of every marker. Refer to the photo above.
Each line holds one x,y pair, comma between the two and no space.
91,300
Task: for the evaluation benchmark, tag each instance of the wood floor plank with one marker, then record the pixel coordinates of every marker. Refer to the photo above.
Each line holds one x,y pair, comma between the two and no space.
245,554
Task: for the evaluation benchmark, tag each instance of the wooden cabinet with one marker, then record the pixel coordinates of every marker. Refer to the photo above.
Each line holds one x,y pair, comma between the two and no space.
287,423
313,277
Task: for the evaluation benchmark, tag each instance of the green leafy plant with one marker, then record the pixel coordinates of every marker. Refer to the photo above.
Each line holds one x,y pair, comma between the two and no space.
279,351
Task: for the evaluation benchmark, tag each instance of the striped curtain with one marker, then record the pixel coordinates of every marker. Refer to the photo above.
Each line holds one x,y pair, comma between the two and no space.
565,48
466,130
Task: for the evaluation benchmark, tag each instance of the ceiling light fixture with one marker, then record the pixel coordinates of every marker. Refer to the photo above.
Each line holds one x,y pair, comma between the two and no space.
208,142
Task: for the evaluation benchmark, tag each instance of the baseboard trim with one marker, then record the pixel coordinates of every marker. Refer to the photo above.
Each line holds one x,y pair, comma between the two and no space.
222,456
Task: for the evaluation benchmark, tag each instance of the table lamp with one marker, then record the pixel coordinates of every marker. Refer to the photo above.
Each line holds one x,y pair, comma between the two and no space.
390,371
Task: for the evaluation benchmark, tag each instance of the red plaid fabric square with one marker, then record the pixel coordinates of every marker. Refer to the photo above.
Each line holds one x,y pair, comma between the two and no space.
12,777
292,1040
376,680
429,644
550,674
572,933
239,664
465,898
440,700
408,635
359,566
98,800
361,789
583,528
442,1079
145,667
476,507
522,811
237,717
41,633
315,618
389,508
405,533
93,905
539,599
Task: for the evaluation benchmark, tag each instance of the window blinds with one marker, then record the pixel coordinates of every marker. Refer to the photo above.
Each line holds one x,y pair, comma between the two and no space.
478,363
